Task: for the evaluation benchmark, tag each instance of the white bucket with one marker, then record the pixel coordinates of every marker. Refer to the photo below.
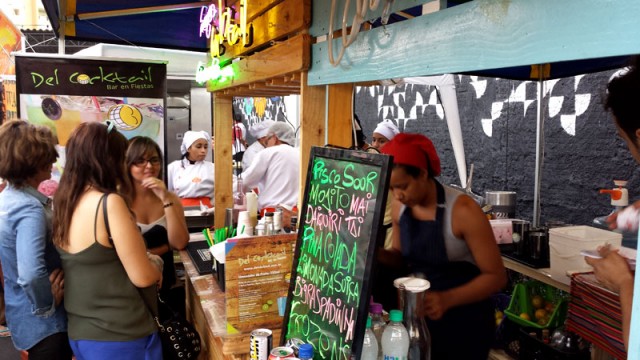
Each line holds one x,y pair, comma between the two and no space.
565,244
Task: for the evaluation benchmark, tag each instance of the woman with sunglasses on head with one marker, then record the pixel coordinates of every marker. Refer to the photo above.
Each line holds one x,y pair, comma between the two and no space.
33,280
110,279
191,177
159,213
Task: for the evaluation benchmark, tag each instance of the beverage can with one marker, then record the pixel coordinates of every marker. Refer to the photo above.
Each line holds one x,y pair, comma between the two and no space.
281,352
260,343
294,343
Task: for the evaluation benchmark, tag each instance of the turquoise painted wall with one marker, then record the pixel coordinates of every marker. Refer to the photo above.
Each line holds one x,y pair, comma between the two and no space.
483,34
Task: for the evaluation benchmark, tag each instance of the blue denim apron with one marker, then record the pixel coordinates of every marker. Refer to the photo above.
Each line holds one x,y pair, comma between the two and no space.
464,332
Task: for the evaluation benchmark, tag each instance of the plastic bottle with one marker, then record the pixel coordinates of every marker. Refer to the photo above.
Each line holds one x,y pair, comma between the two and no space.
395,339
305,352
369,344
377,323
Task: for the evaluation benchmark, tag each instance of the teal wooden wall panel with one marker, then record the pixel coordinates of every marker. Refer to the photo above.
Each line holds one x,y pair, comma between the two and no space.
322,10
485,34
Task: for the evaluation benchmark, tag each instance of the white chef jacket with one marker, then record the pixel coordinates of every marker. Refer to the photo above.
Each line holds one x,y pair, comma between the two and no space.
275,171
250,154
190,180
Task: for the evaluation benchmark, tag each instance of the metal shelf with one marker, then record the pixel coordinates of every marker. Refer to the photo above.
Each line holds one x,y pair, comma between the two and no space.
542,275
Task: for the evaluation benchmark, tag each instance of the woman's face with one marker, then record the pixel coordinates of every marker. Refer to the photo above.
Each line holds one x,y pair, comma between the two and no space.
146,166
378,140
198,150
407,189
632,145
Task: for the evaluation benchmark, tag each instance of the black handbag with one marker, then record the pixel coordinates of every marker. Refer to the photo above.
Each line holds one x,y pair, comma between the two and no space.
180,339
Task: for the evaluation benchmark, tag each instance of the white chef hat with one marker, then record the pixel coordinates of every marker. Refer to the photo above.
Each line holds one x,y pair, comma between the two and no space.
261,129
190,137
387,129
284,132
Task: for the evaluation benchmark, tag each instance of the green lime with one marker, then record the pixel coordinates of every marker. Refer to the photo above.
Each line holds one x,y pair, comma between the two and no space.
265,307
270,302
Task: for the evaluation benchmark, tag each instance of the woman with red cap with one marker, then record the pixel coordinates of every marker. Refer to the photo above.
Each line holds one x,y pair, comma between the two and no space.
443,234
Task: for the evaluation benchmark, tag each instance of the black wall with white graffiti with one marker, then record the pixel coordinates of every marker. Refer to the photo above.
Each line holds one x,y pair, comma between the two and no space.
582,152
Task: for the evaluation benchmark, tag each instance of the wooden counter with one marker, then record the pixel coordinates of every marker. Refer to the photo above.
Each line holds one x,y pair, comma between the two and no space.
206,310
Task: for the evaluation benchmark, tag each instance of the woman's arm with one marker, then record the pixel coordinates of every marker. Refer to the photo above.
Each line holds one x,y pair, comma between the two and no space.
470,224
393,257
31,230
176,223
129,244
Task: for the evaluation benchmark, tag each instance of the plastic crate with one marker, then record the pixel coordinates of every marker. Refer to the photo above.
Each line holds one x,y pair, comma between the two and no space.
521,303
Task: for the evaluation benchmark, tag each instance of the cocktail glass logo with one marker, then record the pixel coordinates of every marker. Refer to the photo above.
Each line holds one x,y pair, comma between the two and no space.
126,117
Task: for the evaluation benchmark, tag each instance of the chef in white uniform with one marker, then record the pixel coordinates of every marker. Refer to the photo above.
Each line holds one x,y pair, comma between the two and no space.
191,178
259,132
275,171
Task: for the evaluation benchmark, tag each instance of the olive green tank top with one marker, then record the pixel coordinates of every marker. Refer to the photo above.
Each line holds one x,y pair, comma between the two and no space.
101,302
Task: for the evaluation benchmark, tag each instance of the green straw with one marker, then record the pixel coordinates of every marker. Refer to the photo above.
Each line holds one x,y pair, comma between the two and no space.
206,237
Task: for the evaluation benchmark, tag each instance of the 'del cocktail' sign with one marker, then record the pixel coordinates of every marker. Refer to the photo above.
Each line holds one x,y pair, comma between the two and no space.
342,213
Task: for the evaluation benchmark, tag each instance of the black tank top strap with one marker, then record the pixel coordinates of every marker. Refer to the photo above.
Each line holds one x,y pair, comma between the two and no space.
103,200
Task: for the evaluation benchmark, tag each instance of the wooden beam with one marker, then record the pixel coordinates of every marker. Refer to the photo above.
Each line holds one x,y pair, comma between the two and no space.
288,57
287,18
481,35
339,114
312,125
223,177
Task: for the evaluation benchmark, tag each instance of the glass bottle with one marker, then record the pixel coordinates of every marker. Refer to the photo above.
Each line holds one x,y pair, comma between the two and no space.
411,293
239,199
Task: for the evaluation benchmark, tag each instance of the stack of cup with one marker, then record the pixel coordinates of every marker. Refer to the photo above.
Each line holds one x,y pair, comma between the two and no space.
252,207
244,223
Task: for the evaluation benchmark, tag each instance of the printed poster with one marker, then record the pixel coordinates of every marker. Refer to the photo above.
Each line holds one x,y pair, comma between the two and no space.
63,92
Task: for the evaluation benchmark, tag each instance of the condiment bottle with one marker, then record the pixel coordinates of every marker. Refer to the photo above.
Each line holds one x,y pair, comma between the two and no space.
268,224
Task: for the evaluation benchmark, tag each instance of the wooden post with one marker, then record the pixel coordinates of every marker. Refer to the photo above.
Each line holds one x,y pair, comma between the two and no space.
339,114
312,123
223,165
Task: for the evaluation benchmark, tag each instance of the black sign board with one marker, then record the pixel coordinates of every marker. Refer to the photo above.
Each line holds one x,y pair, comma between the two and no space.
77,76
343,209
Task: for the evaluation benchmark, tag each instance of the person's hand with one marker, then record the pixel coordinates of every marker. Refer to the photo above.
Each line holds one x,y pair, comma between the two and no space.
612,270
56,278
434,305
630,221
157,186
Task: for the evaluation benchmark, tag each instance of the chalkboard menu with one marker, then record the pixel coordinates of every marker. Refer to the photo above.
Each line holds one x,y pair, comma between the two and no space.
342,213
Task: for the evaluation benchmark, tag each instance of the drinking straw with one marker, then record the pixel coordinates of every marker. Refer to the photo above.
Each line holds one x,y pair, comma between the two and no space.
206,237
234,232
242,229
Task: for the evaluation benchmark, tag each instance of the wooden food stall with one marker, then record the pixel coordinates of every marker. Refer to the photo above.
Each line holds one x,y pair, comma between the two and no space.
295,59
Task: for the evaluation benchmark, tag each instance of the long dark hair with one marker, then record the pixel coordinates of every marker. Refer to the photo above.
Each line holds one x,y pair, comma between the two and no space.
139,146
623,93
95,158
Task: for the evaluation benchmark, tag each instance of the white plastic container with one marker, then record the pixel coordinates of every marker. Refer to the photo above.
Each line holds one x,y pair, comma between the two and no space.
565,244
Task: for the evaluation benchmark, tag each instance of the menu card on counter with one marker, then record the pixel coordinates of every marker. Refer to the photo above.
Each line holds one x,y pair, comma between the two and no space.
257,277
342,213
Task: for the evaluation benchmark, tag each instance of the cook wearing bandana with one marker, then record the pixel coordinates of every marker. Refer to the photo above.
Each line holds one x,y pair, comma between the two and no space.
443,235
191,177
